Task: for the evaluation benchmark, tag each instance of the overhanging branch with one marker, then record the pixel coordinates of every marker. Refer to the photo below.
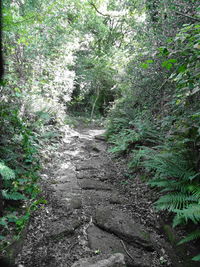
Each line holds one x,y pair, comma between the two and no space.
187,16
102,14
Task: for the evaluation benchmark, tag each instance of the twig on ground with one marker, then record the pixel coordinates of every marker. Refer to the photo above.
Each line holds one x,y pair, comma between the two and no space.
71,247
125,249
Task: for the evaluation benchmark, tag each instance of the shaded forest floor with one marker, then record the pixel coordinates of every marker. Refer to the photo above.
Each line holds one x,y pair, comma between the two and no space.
94,209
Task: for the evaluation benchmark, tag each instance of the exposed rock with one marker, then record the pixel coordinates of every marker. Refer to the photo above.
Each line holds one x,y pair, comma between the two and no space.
64,233
93,184
91,147
103,178
116,260
88,165
61,229
104,242
65,187
116,199
65,176
96,197
85,166
121,224
91,174
76,203
100,137
86,174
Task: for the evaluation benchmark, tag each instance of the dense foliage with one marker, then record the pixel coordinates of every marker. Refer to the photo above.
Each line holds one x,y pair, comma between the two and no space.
156,119
136,62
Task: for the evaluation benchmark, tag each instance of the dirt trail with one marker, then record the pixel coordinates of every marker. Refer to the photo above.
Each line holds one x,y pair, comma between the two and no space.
89,213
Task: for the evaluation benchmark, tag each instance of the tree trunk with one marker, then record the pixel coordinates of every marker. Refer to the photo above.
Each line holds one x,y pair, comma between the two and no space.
94,104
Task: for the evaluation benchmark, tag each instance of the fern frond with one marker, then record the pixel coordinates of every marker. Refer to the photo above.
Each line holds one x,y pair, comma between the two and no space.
6,172
12,195
195,190
191,212
178,220
192,236
170,165
172,185
139,155
174,201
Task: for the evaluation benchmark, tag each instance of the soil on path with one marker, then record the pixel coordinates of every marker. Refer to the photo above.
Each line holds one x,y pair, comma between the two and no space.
91,212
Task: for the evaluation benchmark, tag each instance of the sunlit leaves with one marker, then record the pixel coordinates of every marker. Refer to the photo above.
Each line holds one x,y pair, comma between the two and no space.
168,64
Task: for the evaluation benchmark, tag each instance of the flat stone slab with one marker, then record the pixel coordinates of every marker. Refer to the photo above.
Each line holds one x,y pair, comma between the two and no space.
103,242
61,186
62,228
100,137
65,175
115,198
65,187
121,224
97,197
96,132
89,184
116,260
89,165
86,174
76,202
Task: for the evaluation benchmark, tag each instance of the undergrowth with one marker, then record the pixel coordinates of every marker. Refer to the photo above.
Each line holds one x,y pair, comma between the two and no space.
165,145
21,143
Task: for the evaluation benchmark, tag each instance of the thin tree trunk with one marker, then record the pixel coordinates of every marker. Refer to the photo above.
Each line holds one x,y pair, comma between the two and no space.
94,104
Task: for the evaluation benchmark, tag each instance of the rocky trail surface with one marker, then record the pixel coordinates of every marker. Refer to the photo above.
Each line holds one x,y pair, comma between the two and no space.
92,218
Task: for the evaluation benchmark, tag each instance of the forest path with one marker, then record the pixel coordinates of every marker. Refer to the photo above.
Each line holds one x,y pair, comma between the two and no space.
89,214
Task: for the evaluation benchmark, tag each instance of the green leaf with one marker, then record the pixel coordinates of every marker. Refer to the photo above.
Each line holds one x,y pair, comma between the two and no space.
182,68
167,64
172,60
164,51
196,258
149,61
144,65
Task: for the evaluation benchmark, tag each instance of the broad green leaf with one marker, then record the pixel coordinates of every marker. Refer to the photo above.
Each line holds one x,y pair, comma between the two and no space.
144,65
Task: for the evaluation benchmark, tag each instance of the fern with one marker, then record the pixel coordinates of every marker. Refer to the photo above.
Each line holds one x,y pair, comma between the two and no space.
174,201
192,236
139,155
6,172
179,182
13,195
123,140
194,189
190,212
171,165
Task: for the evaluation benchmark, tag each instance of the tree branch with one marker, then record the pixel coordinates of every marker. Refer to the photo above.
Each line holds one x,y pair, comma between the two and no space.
187,16
125,249
96,9
93,5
